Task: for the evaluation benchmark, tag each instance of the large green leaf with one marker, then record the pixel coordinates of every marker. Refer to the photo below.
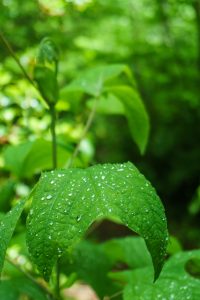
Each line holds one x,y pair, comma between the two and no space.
173,283
120,99
93,81
7,227
136,114
66,202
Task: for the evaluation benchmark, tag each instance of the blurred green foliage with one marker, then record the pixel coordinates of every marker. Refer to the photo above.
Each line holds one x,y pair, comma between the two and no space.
159,42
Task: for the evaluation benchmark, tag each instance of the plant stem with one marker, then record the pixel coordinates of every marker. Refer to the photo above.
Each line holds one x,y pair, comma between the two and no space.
12,53
113,296
53,136
27,275
54,158
54,164
85,130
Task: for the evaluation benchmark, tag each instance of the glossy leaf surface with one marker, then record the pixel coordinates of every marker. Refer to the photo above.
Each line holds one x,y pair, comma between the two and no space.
66,202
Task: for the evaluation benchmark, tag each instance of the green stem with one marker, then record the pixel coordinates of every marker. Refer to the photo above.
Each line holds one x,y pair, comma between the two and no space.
53,136
54,154
27,275
12,53
85,130
54,163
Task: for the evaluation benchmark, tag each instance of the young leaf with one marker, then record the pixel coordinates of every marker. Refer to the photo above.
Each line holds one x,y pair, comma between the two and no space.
45,72
48,53
136,114
173,283
7,227
66,202
92,81
47,84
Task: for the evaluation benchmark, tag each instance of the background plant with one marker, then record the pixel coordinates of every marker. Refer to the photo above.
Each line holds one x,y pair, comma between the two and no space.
87,47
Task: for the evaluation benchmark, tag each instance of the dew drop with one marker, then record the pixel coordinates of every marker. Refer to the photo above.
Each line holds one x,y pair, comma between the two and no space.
49,197
78,218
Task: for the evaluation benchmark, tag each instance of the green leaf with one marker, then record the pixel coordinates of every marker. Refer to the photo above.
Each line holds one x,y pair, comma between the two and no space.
193,267
16,288
129,250
47,84
136,114
66,202
30,158
45,71
93,81
7,227
109,104
6,192
84,261
173,283
48,53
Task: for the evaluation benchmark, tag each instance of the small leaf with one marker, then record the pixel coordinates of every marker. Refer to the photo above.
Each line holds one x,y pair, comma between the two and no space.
66,202
45,71
136,114
47,84
93,81
7,227
48,54
7,192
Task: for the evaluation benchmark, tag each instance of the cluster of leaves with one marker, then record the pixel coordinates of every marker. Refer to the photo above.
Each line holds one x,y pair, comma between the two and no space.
65,202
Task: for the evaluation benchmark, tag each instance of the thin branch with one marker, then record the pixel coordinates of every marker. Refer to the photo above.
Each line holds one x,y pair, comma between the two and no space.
85,131
53,135
113,296
27,275
12,53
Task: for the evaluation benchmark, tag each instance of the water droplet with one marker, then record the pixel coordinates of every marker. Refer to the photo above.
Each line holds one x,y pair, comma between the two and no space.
49,197
78,218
